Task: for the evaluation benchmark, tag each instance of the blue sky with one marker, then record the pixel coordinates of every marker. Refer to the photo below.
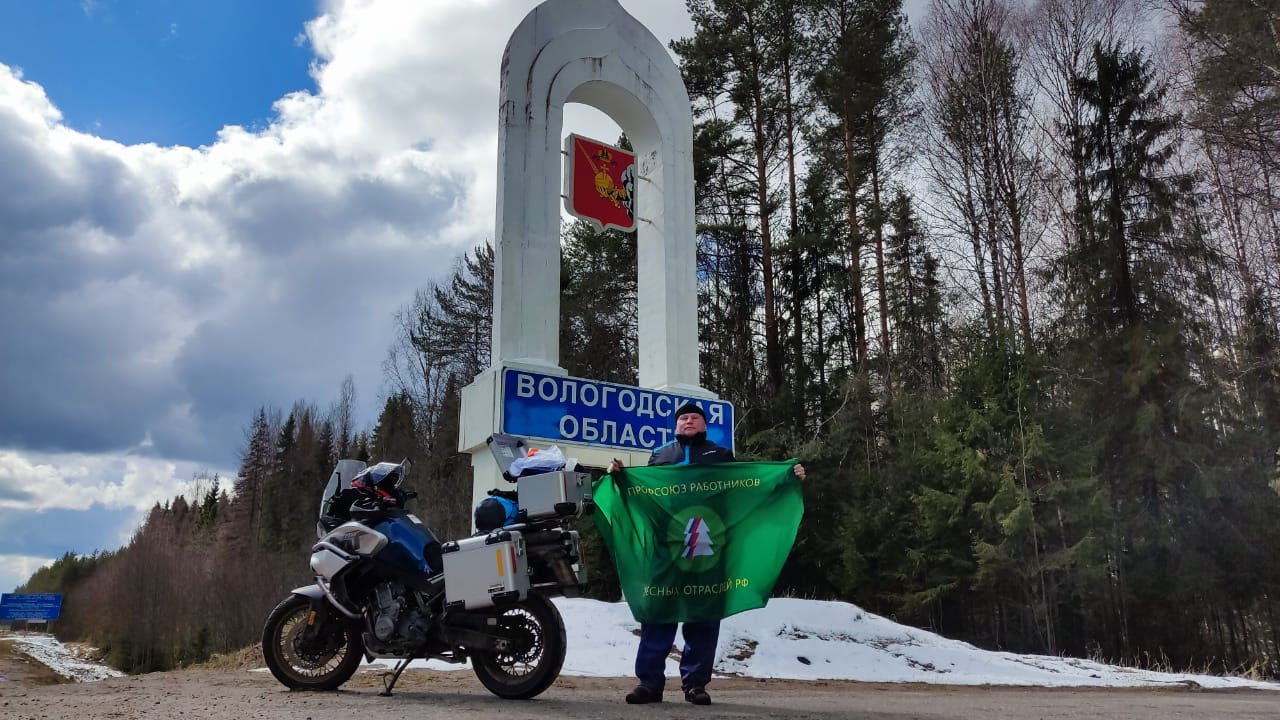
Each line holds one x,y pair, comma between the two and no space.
170,72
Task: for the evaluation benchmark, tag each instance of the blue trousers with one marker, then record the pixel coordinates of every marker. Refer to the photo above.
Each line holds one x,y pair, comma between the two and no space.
696,661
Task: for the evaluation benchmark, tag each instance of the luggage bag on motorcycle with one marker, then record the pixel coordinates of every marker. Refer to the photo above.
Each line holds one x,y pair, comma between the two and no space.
554,494
481,572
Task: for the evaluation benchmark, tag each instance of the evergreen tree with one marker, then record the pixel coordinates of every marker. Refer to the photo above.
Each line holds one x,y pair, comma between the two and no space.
275,502
1131,342
914,300
442,335
728,295
396,434
462,330
63,574
822,279
448,470
992,458
598,312
255,471
860,74
208,505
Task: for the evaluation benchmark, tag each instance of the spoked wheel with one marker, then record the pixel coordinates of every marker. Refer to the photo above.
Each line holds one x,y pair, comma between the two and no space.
537,654
322,662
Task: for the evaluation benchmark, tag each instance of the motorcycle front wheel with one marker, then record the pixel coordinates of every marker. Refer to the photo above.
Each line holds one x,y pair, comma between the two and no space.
534,661
323,662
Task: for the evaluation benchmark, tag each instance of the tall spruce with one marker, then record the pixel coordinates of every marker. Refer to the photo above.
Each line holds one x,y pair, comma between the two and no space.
915,304
256,465
1131,340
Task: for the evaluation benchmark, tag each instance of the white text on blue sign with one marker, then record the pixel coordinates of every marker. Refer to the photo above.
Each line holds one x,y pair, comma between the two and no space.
598,413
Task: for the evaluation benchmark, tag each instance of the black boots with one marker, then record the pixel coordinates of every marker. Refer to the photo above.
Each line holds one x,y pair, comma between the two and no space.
644,695
697,695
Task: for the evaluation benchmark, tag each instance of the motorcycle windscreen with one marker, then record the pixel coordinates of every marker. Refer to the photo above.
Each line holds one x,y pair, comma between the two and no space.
339,480
409,545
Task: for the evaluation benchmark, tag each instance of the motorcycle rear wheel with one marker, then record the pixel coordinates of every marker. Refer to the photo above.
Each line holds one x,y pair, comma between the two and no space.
326,664
535,663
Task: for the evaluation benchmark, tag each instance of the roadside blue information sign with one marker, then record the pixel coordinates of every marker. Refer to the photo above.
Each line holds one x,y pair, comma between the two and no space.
30,606
589,412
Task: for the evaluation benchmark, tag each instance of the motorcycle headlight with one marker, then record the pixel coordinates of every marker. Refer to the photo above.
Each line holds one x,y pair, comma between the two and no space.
349,542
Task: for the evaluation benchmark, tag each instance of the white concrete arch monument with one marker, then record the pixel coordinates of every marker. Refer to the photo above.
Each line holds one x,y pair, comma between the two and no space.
591,52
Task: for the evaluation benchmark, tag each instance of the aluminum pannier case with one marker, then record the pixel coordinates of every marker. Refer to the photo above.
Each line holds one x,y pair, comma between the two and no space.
481,572
554,494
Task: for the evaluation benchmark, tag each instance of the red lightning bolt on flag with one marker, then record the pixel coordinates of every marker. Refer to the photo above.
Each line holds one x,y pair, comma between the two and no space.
691,543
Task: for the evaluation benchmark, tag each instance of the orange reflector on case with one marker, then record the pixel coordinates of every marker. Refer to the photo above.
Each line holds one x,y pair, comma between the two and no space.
497,554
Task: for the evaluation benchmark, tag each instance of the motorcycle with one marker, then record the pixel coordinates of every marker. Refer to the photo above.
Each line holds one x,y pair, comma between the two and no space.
386,588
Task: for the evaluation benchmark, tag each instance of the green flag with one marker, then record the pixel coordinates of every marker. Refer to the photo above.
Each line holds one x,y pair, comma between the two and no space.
698,542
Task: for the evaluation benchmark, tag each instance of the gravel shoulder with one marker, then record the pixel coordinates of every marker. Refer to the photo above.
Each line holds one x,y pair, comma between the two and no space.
19,670
236,694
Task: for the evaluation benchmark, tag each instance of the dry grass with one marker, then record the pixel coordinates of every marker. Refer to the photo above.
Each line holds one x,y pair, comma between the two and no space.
247,658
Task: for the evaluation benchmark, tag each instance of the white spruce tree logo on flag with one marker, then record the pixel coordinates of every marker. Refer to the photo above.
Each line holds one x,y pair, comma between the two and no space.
697,541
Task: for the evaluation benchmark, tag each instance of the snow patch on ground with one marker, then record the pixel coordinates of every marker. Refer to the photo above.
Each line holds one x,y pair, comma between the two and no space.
67,661
797,639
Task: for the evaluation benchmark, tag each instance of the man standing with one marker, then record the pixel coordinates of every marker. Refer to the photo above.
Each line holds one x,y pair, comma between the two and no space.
690,447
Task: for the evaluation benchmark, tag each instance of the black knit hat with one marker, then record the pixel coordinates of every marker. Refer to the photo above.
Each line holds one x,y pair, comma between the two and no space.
689,408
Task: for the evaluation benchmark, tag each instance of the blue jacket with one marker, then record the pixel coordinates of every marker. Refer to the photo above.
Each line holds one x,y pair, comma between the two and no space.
700,451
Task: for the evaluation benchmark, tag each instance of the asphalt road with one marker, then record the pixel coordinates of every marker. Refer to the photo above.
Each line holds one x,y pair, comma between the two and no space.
242,695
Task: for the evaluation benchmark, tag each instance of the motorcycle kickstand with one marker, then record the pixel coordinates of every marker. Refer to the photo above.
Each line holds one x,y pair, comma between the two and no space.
388,684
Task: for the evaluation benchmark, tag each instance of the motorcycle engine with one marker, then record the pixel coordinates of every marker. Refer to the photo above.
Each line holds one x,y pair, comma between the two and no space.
398,626
390,603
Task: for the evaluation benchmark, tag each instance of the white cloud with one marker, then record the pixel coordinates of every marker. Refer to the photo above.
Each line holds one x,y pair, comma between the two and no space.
17,569
51,504
34,482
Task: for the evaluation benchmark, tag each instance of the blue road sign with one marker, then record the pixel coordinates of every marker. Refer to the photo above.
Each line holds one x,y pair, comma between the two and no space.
30,606
589,412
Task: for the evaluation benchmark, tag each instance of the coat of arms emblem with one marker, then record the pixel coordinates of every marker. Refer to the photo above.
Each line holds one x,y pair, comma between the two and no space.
600,183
